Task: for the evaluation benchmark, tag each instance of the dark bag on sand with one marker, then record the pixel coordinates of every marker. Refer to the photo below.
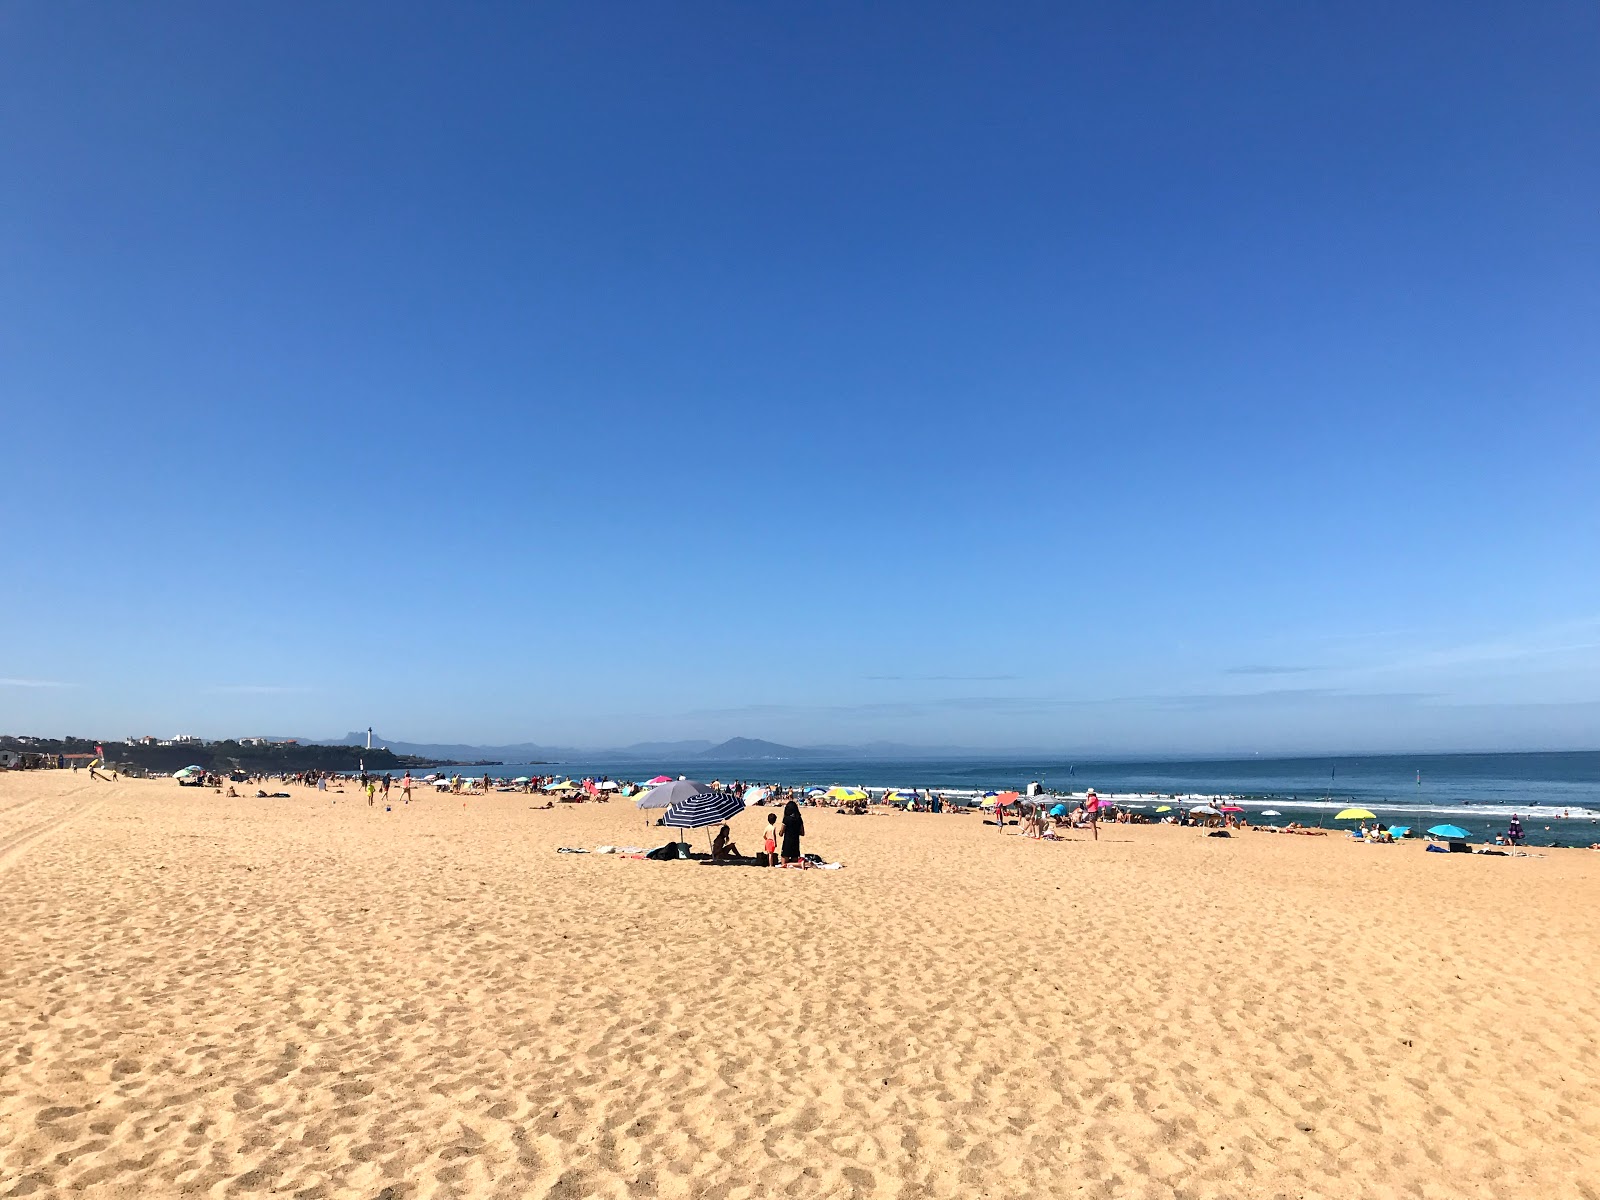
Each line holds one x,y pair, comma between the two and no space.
1219,833
667,853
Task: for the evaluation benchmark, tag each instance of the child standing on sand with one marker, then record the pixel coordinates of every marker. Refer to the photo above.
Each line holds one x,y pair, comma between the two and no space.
770,842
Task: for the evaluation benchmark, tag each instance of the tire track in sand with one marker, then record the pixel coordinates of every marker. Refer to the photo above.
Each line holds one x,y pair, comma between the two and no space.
19,805
14,845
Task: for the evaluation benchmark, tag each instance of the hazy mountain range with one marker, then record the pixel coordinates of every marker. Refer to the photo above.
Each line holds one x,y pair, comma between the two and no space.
734,749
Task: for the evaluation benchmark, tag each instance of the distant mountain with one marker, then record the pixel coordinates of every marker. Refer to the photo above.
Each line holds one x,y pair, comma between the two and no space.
520,752
733,750
750,748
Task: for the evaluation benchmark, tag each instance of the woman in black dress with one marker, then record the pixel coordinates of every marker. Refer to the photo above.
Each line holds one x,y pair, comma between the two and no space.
791,831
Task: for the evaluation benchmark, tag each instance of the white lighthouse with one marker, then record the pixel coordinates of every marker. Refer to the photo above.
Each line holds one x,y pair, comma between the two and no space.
369,737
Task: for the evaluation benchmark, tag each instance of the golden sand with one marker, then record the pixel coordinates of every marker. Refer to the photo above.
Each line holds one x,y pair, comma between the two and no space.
201,996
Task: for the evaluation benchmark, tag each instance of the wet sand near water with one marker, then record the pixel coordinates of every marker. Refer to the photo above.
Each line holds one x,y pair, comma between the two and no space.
245,997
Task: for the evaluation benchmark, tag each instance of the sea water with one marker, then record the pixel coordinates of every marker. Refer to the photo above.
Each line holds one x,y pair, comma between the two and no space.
1557,794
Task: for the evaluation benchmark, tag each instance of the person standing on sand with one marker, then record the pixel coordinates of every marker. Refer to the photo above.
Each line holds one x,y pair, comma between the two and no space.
405,787
791,831
372,789
1091,806
770,842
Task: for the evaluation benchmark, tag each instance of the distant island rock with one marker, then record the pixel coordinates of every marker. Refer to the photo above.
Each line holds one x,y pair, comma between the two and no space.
739,748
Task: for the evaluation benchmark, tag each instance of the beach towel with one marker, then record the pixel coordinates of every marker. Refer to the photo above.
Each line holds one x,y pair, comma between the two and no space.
571,850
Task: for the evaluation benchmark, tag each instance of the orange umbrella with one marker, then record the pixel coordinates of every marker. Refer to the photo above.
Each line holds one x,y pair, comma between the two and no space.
1005,798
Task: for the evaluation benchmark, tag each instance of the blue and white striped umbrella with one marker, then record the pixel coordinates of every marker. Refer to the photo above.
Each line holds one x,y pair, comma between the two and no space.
702,809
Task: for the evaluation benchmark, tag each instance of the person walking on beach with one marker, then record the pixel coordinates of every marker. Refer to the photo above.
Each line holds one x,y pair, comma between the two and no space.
1091,806
791,831
386,784
405,787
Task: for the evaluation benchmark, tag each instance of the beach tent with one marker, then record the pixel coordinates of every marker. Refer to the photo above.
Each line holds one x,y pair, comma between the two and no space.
1058,810
665,795
1356,814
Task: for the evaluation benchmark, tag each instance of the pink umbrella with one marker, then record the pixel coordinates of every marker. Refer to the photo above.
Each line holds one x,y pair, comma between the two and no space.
660,779
1230,808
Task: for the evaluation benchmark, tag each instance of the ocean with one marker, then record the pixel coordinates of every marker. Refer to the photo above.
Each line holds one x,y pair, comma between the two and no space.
1557,794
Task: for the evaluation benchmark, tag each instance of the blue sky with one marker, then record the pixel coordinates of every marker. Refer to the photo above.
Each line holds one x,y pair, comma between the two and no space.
1140,378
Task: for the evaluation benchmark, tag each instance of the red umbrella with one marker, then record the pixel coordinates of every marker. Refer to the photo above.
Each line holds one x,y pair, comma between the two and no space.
1230,808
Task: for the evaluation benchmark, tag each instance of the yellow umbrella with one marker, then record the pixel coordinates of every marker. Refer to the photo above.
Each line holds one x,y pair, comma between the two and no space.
845,793
562,786
900,797
1165,808
1356,814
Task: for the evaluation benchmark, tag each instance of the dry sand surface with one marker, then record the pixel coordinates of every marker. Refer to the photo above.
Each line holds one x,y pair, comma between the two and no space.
236,997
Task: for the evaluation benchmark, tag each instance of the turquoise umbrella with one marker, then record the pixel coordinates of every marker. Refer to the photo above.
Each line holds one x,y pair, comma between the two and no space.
1451,833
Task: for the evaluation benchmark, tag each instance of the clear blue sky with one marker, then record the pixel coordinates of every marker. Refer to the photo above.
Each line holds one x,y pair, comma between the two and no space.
1137,377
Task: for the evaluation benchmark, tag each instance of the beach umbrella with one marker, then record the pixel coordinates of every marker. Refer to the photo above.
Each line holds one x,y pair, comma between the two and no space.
665,795
1163,808
564,785
1205,810
1270,812
1356,814
660,779
609,785
441,784
522,779
1451,833
704,808
755,794
1006,797
1230,808
845,793
1399,830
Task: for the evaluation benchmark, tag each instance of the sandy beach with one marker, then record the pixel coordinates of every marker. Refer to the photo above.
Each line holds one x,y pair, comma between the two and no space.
207,996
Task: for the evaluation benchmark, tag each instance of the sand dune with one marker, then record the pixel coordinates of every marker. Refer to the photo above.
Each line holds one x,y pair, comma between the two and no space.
230,997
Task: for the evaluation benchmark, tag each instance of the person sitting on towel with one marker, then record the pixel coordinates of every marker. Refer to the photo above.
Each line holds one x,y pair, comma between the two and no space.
722,847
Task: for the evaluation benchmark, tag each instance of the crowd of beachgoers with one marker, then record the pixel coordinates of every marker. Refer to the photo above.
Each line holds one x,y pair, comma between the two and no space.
1034,812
